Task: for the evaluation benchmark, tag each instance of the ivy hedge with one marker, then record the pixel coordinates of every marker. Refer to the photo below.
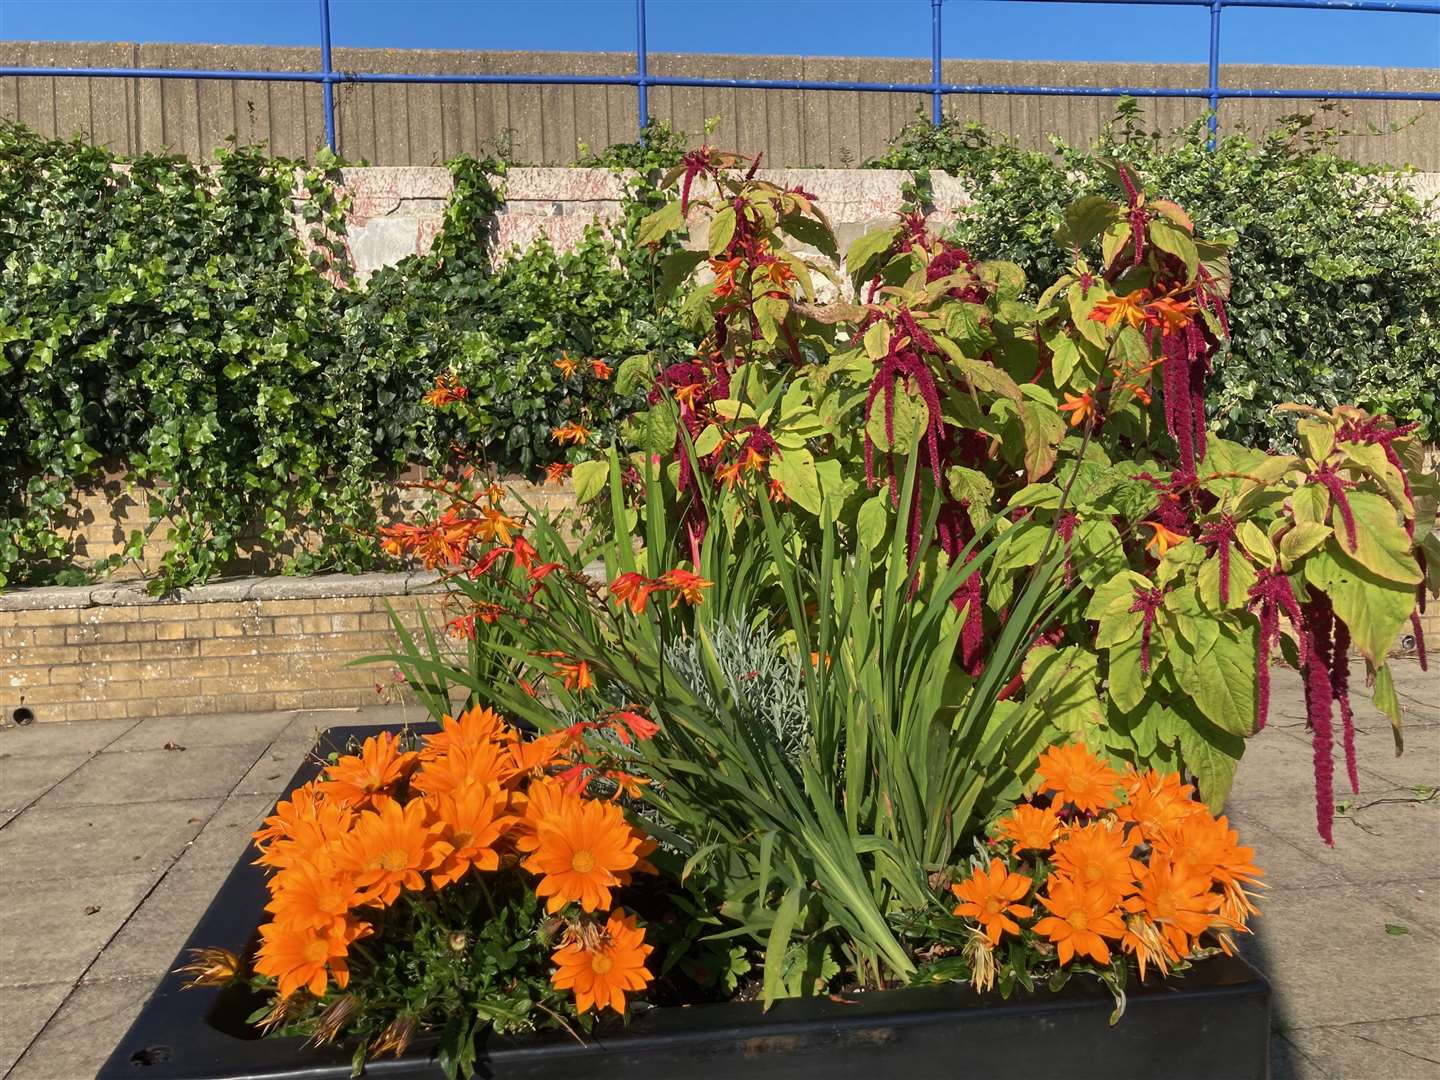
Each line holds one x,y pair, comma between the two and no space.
1336,264
167,318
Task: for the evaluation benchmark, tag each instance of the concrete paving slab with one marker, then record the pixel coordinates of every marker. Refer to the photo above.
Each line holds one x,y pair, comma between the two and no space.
1288,1062
193,732
53,930
1392,836
81,1035
224,839
1393,1049
1287,865
1416,905
68,842
1331,961
1417,767
27,1010
1279,764
144,775
147,944
25,779
84,736
269,775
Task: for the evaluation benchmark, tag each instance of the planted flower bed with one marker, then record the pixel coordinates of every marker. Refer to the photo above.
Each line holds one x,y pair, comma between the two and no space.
897,729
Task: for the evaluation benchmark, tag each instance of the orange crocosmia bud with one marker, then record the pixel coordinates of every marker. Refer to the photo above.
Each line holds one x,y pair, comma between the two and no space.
600,369
557,472
1163,539
687,586
1128,309
1080,408
566,366
572,433
633,590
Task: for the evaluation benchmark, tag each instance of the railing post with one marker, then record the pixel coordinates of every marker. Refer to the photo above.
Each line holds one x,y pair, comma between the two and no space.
642,70
328,71
1214,84
935,95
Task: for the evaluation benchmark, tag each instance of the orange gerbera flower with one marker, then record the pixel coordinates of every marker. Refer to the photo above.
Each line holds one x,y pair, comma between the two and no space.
582,852
1080,408
541,804
1029,827
1178,902
496,525
533,756
1077,776
634,590
989,898
687,586
1163,540
571,433
476,726
1098,854
390,848
599,973
1156,802
1115,310
566,366
1081,918
297,958
472,824
313,895
302,825
600,369
356,779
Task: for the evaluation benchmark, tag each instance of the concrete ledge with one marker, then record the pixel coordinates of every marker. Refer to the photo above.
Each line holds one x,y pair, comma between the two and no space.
135,594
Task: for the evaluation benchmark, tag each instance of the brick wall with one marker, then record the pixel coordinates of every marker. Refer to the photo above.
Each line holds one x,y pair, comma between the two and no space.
99,652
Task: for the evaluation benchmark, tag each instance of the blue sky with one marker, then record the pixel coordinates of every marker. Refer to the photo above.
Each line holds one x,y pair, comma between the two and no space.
977,29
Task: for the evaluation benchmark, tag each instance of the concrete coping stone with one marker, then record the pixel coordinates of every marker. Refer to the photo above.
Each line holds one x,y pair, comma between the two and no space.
320,586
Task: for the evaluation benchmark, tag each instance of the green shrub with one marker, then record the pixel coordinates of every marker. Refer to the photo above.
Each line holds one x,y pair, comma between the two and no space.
167,318
1336,297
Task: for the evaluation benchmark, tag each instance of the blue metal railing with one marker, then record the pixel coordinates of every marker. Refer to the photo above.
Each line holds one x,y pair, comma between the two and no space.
642,80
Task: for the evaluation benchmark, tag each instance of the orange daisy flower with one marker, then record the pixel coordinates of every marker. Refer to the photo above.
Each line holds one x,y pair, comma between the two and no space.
571,433
1078,777
542,803
1179,903
472,824
1156,802
531,757
1163,540
390,848
306,958
313,896
989,897
1081,918
599,973
1029,827
484,765
476,726
687,586
356,779
1206,847
1098,854
582,852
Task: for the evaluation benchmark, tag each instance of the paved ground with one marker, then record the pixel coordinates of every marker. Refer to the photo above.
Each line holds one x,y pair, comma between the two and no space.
115,834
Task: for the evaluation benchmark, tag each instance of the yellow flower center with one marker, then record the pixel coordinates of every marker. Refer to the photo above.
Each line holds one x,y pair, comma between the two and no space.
1094,872
394,860
1078,919
582,862
992,906
462,839
601,964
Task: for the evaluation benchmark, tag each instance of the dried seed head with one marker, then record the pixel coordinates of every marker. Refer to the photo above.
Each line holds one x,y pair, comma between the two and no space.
333,1020
209,967
394,1037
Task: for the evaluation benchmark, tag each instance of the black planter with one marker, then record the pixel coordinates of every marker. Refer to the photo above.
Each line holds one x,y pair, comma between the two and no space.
1214,1024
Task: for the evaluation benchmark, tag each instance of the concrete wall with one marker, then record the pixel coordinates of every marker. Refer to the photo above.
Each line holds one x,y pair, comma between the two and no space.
425,125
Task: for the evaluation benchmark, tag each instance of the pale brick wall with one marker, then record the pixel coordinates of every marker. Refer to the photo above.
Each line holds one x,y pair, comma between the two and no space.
100,652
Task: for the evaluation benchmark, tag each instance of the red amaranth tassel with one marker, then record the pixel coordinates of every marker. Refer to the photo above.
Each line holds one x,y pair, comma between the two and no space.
1419,637
1272,591
1319,694
1065,526
1335,484
1222,534
1147,601
1340,687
